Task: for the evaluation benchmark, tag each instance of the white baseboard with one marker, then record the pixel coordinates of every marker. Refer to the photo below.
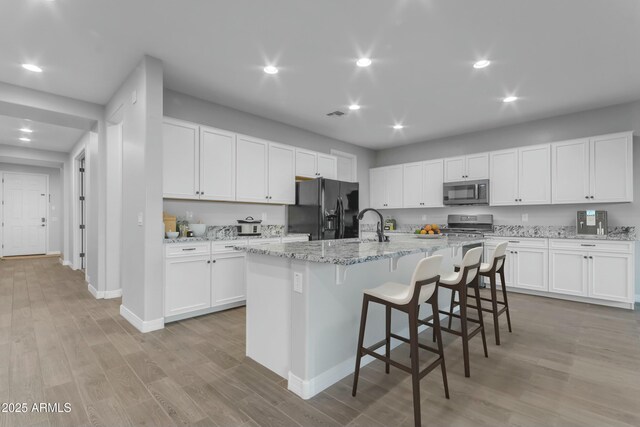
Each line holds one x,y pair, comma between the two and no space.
65,262
53,253
112,294
93,291
103,294
141,325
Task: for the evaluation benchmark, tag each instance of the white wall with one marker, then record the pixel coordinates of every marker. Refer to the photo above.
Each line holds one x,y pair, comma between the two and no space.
56,205
617,118
220,213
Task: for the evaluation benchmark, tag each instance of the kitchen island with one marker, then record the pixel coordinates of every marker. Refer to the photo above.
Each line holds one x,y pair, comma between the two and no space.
304,302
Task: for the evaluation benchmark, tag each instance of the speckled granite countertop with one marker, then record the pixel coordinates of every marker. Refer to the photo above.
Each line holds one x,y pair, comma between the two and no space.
356,251
218,238
559,232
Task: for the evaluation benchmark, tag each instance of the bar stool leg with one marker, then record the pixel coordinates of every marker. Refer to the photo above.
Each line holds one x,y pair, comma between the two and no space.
387,350
494,305
476,287
363,322
415,361
438,334
504,295
453,300
463,327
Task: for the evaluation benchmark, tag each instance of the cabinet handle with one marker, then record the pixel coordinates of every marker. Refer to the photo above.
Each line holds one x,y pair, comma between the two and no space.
592,197
214,261
202,193
584,257
590,257
208,262
586,197
189,249
587,244
514,241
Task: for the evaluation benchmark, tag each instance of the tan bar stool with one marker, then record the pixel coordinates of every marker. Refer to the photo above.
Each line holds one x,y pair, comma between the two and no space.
465,277
422,289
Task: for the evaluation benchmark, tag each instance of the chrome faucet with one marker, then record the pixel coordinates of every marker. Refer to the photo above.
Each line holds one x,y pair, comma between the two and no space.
379,229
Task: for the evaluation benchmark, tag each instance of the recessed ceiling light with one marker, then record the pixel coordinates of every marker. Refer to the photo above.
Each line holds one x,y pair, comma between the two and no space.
483,63
363,62
398,126
26,130
32,67
354,107
25,139
270,69
510,99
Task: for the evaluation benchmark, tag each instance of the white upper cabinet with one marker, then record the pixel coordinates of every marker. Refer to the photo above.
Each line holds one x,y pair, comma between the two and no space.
282,174
180,165
521,176
422,184
385,187
327,166
217,164
251,170
310,164
597,169
466,168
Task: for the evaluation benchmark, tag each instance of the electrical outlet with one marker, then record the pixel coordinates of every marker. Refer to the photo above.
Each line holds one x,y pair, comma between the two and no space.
140,219
297,282
525,217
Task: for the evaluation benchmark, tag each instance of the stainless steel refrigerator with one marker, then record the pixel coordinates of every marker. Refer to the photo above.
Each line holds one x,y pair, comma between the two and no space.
326,209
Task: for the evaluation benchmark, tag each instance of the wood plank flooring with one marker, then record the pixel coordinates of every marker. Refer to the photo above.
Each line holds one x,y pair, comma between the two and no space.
565,364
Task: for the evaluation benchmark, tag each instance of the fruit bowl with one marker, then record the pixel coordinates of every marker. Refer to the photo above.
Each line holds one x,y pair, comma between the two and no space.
428,230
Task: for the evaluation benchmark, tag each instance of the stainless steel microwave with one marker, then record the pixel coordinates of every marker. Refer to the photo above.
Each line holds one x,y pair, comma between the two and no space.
466,193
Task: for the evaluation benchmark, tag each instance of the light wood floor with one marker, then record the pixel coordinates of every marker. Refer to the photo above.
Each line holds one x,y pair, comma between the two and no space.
565,364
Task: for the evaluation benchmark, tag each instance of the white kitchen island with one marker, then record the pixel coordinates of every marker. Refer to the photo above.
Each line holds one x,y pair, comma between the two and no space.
304,302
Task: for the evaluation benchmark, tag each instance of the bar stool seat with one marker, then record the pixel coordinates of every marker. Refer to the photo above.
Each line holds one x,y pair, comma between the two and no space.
423,288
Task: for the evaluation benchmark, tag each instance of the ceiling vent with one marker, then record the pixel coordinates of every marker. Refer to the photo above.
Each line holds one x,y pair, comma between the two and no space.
336,113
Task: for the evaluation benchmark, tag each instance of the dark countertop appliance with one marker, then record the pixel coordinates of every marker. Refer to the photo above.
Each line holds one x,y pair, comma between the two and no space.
249,227
325,209
592,223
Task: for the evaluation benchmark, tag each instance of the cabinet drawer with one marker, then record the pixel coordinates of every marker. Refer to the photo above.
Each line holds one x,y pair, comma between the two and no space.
187,249
258,242
518,242
227,246
591,245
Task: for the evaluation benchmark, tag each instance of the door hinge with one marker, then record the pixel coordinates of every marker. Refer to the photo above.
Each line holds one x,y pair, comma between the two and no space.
81,170
82,226
82,198
81,254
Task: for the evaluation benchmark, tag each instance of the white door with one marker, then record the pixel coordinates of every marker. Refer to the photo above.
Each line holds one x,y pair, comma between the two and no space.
568,272
477,167
454,169
217,164
306,163
504,178
534,175
532,269
327,166
413,180
570,171
611,168
377,190
251,170
180,175
228,282
432,185
393,183
188,284
610,276
25,214
282,174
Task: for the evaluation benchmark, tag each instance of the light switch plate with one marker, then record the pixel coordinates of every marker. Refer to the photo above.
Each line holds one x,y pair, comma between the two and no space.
140,219
297,282
525,217
424,217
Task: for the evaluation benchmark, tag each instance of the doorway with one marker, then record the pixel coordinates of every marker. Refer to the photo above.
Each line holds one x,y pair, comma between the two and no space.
25,199
82,214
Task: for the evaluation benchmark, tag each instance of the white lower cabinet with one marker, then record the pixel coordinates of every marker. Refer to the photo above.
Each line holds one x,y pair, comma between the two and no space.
568,272
187,284
526,265
228,279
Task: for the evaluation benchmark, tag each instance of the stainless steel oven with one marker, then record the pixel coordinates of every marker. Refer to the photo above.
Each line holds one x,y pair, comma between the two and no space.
466,193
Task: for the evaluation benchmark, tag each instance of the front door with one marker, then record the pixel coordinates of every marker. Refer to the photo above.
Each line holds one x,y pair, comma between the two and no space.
25,214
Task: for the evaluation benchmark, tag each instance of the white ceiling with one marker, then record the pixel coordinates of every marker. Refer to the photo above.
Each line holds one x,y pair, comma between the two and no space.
44,136
557,56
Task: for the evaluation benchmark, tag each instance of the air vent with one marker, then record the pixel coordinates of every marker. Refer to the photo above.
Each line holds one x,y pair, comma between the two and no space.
336,113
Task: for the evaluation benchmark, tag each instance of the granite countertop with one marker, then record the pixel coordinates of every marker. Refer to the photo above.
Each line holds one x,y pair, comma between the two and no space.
224,238
623,233
356,251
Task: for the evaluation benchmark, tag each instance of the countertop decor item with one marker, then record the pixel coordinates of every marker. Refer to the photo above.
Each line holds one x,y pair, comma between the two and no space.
198,229
172,234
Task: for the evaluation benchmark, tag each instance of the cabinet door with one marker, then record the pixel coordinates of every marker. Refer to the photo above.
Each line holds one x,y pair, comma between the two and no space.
327,166
306,163
393,183
228,283
509,267
413,181
534,175
477,167
180,173
187,284
611,276
377,190
570,171
217,164
282,174
504,178
568,272
532,269
432,185
454,169
611,161
251,170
